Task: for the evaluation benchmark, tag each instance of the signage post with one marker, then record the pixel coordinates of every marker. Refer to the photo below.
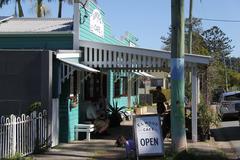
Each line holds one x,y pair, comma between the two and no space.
148,135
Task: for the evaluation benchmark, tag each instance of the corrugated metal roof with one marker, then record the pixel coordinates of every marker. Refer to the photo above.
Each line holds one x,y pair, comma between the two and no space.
37,25
5,18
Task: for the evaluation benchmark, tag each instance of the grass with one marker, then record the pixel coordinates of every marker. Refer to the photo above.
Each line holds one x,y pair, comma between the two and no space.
18,156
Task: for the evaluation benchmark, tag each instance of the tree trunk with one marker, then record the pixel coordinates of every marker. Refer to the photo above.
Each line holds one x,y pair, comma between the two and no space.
20,10
60,8
39,8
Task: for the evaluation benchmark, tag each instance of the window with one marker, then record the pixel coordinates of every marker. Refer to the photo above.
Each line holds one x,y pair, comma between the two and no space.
234,97
141,85
134,88
124,86
156,82
117,88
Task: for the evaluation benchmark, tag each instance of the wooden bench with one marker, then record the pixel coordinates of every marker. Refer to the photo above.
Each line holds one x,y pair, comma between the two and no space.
88,128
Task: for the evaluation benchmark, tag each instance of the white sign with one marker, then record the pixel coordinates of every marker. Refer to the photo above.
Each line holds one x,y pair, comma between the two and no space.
132,44
96,23
148,135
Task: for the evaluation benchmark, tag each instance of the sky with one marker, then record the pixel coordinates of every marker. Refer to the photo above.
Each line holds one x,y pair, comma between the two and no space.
150,20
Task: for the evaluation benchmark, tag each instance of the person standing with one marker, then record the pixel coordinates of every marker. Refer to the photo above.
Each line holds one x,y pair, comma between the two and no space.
161,100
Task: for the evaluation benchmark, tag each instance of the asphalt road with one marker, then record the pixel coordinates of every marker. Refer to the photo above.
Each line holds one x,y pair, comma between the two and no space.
229,131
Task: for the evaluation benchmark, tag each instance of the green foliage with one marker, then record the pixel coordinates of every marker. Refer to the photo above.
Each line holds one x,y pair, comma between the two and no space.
115,113
36,106
18,156
234,78
4,2
198,44
217,42
207,118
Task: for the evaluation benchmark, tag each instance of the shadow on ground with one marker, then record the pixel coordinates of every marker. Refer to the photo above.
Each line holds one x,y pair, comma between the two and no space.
226,133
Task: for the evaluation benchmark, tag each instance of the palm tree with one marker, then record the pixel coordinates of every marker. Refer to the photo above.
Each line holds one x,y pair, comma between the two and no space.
41,9
69,2
4,2
20,10
60,6
18,2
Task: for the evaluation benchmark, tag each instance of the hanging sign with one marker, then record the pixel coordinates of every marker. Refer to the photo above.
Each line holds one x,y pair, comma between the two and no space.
148,135
96,23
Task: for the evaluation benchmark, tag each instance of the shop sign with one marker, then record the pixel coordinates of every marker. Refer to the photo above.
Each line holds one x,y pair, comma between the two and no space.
96,23
148,135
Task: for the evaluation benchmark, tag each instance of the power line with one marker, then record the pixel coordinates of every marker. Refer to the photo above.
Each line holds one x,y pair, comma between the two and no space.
220,20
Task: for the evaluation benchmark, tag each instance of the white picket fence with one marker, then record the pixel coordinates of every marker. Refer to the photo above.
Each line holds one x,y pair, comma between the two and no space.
19,134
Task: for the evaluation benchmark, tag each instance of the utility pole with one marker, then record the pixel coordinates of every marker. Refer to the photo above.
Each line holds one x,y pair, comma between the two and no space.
225,70
178,132
190,28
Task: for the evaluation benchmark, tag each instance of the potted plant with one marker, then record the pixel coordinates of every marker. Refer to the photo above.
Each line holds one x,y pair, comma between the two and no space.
140,109
115,114
74,100
206,118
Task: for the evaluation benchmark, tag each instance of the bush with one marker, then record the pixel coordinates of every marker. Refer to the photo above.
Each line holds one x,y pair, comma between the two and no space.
207,118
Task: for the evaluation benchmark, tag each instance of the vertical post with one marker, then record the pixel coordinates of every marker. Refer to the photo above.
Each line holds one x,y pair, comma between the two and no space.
190,28
76,26
190,36
13,123
110,87
198,90
194,104
129,90
178,132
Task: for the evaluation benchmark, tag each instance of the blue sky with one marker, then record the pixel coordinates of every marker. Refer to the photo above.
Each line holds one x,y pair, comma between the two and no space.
149,20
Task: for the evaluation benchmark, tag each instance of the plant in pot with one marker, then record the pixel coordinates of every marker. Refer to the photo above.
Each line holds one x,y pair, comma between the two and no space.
207,118
115,114
74,100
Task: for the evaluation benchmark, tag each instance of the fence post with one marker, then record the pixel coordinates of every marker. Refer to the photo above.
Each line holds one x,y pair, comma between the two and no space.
13,123
1,136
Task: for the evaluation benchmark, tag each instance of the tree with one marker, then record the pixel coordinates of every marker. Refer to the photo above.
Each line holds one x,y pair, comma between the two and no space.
4,2
218,44
41,9
219,47
20,10
60,2
198,44
18,2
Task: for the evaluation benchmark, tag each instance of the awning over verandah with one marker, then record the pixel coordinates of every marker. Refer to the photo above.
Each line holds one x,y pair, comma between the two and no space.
106,56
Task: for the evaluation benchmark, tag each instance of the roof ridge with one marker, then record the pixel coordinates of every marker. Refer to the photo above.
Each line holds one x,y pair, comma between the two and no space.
41,19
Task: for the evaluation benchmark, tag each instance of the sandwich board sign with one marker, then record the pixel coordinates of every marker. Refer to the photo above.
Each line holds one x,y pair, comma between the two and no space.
148,135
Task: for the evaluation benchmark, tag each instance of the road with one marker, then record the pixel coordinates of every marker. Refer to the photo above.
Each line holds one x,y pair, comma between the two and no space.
228,135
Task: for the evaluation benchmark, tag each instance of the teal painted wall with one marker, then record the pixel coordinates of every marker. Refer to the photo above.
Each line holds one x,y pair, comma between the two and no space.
73,114
68,117
85,33
122,101
36,41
